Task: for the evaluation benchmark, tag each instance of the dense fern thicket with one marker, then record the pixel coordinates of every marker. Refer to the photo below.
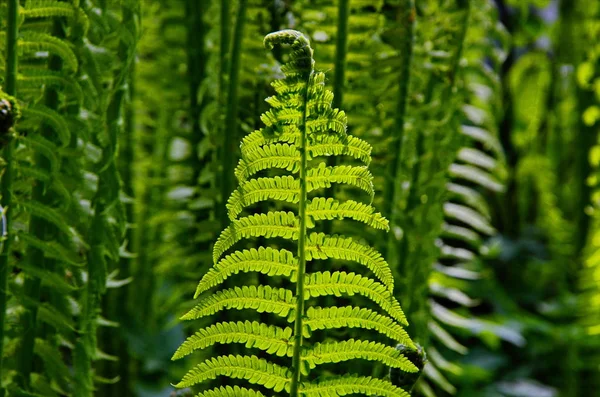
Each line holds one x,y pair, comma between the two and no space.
344,197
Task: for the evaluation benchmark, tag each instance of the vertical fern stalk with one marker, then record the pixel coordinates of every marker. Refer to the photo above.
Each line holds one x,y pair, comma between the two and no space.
296,358
42,229
11,89
406,20
339,77
228,157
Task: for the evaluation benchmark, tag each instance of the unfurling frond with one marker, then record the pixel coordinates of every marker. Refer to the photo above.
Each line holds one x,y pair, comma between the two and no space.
281,164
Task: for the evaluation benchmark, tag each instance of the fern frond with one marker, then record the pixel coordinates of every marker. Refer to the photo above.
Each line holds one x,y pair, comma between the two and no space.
350,384
301,125
321,208
334,145
251,368
476,175
318,318
271,339
52,249
32,42
47,9
322,246
339,283
49,214
320,145
278,155
484,137
267,261
469,217
323,176
281,188
266,136
269,225
34,78
334,352
228,391
44,147
468,196
52,118
266,299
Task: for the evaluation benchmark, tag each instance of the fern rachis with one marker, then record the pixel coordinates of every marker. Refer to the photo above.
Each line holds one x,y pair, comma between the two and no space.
300,128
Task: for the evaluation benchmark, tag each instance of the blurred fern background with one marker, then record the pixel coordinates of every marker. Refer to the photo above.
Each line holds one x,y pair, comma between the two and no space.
120,131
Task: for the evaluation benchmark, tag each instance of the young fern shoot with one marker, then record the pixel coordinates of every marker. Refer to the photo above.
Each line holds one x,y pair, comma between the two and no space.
301,129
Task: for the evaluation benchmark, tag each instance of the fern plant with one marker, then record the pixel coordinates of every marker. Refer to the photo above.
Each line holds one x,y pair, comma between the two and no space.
300,128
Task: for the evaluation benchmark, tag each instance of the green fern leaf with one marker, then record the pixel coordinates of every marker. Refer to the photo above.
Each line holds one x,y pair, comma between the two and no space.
272,224
52,249
263,260
468,216
266,136
52,118
338,283
301,126
318,318
334,145
323,176
280,188
32,42
348,385
229,391
322,246
35,78
476,175
271,339
335,352
47,9
262,299
51,215
321,208
282,156
45,147
251,368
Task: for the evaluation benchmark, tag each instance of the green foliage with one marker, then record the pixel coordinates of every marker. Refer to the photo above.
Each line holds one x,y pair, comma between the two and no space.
472,125
300,116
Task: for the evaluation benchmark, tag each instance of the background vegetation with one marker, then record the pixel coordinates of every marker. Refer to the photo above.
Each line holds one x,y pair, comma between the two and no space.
483,116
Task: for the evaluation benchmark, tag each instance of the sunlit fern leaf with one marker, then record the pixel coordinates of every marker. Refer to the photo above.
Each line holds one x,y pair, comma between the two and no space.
321,208
341,283
251,368
301,126
349,385
318,318
262,299
47,8
323,246
229,391
271,339
334,352
263,260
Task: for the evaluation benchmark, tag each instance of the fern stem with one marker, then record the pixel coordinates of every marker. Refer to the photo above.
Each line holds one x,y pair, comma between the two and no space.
406,19
127,161
339,77
231,114
224,49
6,188
341,50
43,231
296,358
